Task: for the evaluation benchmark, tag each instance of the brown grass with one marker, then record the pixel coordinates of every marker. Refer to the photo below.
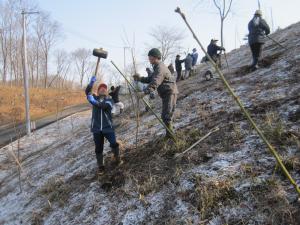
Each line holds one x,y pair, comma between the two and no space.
43,101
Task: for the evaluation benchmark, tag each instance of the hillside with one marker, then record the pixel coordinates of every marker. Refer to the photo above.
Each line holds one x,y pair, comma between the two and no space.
229,178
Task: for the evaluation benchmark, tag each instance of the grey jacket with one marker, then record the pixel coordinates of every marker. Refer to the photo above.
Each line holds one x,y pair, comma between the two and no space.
258,29
188,62
162,80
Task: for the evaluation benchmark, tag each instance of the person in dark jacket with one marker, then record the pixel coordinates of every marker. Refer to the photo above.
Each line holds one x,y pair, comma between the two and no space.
150,74
213,51
258,29
165,84
178,67
102,125
188,62
114,93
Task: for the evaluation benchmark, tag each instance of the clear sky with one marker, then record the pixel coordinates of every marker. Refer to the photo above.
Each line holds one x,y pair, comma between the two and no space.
101,23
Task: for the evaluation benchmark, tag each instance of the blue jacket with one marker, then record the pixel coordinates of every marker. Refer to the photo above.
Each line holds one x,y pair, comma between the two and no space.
258,29
101,114
195,58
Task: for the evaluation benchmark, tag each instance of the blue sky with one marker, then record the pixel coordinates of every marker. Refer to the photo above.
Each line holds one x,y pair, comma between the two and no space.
101,23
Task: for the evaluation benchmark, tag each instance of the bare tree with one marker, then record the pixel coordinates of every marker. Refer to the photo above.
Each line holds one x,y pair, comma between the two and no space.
48,33
224,7
82,61
9,21
62,62
168,40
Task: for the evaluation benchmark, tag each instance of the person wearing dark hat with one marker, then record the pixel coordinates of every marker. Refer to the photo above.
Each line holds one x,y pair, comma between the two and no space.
114,93
165,84
178,67
102,125
214,51
258,29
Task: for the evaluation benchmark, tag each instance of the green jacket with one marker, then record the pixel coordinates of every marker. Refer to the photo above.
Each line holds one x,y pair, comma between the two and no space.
162,80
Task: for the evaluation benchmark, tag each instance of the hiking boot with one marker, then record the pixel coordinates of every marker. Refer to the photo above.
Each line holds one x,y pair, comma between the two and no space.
101,170
99,158
117,158
254,67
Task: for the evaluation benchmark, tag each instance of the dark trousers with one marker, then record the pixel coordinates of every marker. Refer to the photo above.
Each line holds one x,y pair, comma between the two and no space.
256,52
168,108
179,73
217,59
99,144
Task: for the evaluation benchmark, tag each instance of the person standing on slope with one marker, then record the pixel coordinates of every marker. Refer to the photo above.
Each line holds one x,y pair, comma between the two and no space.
178,67
102,125
258,29
195,57
188,65
214,51
165,83
114,93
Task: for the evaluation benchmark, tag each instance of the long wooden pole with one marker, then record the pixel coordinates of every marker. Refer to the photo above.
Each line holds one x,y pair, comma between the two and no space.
146,103
245,112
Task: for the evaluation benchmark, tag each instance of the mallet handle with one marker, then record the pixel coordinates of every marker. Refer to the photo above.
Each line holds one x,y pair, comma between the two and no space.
97,66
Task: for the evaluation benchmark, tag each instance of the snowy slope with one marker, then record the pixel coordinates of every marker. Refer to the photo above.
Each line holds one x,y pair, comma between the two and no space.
230,178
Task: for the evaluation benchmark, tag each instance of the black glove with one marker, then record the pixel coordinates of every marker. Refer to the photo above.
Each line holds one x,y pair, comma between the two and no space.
152,95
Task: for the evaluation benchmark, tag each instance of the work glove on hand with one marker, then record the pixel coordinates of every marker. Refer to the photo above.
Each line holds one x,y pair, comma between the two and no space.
93,80
92,100
152,95
136,77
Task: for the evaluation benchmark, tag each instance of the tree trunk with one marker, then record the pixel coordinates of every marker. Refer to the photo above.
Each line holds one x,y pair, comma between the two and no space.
37,68
222,29
46,69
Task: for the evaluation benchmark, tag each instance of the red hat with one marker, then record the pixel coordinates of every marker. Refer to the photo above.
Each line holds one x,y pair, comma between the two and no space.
102,86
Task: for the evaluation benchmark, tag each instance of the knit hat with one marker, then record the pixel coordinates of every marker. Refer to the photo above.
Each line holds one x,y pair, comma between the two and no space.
258,12
102,85
154,52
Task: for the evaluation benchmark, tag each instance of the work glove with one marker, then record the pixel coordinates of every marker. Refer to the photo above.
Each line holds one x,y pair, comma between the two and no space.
136,77
93,80
92,100
152,95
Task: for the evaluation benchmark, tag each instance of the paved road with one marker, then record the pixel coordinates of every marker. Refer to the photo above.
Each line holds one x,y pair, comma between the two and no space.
7,132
